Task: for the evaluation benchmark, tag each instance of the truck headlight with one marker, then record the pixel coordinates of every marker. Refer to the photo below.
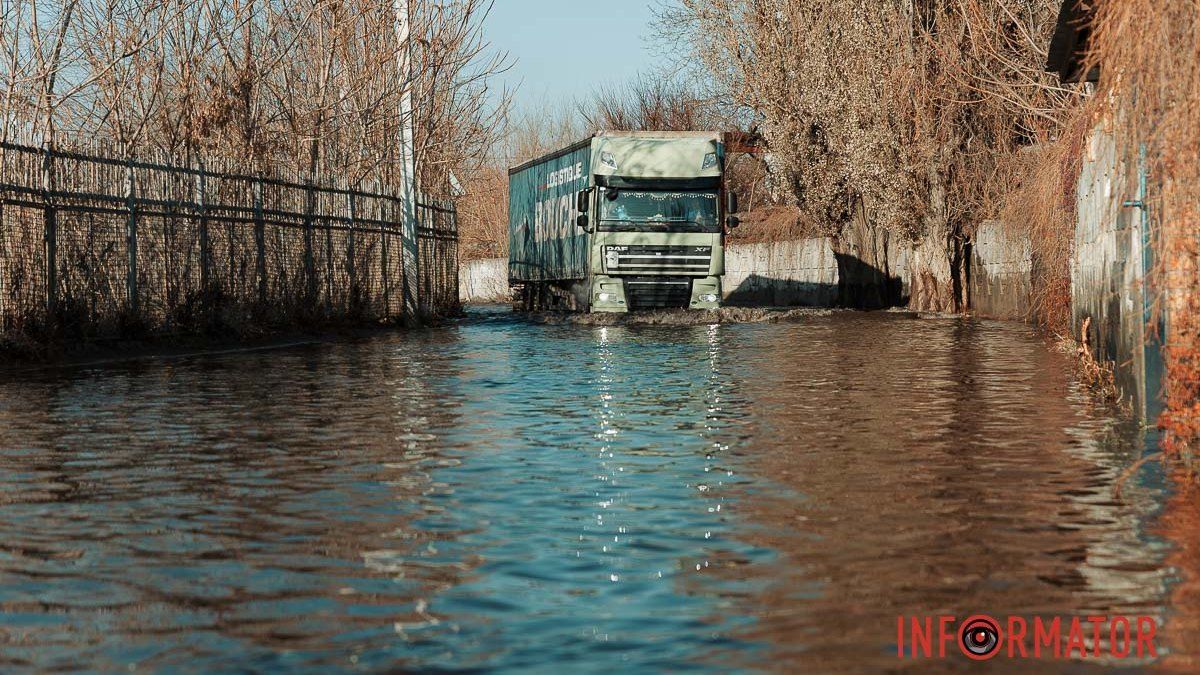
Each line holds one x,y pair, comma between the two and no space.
710,161
609,297
708,297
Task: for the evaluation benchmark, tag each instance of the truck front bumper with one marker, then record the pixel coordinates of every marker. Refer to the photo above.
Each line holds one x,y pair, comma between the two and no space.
611,294
706,293
608,295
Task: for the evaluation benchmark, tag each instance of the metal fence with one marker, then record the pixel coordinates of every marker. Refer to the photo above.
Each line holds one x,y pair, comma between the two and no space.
92,246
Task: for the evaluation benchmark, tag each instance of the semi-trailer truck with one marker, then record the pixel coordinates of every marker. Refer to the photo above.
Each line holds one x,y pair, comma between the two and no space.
621,221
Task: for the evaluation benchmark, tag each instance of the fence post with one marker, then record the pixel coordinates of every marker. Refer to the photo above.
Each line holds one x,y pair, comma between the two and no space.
413,257
310,270
205,244
260,243
329,267
49,231
351,272
383,252
131,241
453,258
4,263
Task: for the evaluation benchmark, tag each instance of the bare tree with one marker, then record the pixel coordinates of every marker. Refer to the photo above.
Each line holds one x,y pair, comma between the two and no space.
885,119
460,119
544,127
483,214
313,86
656,102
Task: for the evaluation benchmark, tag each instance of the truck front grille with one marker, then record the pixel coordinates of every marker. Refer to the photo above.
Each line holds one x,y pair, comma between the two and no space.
643,259
658,292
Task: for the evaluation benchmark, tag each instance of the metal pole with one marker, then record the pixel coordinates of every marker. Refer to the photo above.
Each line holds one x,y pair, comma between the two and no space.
131,242
384,233
49,231
351,272
310,267
3,257
260,243
453,263
408,186
205,244
329,266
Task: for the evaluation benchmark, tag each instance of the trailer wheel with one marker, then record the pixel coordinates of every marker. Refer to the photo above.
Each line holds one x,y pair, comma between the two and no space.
527,297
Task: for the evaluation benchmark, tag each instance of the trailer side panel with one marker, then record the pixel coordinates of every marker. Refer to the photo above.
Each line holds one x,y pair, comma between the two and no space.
544,242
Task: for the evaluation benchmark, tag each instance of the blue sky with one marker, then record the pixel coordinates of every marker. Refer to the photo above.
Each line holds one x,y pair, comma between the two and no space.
562,48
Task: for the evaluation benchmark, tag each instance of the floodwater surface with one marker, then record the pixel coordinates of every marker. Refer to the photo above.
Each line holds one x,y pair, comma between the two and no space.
497,495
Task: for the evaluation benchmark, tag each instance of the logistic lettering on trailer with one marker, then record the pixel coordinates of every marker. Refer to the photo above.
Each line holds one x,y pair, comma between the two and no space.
564,176
554,216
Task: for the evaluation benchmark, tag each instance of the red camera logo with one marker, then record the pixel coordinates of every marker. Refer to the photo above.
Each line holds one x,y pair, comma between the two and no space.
981,637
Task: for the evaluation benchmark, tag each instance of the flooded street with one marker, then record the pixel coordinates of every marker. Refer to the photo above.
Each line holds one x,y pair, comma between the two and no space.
501,495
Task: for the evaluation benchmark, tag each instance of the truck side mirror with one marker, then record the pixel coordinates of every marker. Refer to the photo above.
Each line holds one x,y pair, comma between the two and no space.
732,206
582,221
732,222
583,201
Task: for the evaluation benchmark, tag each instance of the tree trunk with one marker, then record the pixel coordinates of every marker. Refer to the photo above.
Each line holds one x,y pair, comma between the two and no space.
866,278
931,268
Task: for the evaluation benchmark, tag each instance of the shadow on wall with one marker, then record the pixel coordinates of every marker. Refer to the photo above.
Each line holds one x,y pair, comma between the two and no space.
859,286
763,291
863,286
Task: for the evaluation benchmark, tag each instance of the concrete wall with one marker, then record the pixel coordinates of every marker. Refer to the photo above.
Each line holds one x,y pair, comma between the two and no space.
785,273
803,272
484,281
1000,275
1108,270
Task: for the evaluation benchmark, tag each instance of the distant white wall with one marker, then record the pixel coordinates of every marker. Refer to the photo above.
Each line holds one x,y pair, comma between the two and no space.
484,281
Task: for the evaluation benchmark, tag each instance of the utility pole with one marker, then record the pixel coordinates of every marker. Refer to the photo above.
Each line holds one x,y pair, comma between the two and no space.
408,184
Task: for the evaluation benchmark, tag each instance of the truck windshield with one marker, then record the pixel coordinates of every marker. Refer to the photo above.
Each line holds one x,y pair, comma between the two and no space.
634,211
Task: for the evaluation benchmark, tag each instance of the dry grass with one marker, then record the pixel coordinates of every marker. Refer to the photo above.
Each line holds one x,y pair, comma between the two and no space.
773,223
1098,376
1038,198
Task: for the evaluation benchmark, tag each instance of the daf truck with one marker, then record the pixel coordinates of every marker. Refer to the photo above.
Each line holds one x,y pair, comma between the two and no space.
621,221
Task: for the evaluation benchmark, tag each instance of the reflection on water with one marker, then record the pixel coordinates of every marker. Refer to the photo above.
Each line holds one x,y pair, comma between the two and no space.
498,495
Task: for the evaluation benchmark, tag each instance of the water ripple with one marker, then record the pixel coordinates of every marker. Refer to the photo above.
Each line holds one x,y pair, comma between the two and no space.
497,495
